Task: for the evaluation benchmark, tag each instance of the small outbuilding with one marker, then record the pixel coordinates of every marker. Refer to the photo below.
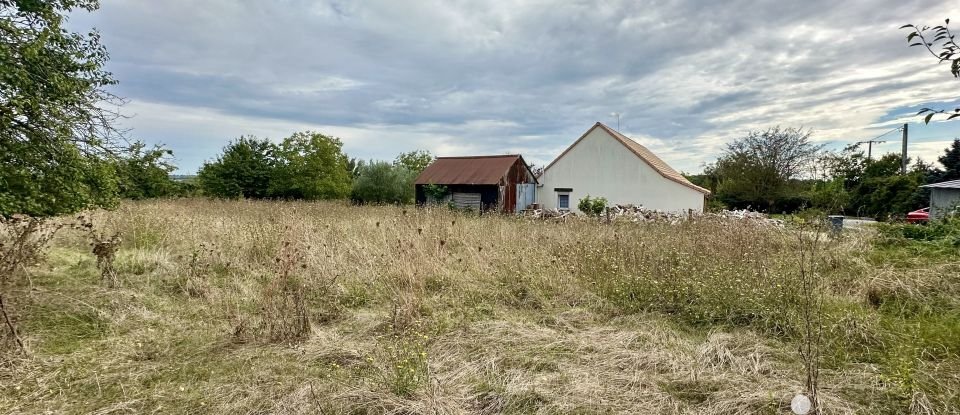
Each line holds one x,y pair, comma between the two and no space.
503,183
944,198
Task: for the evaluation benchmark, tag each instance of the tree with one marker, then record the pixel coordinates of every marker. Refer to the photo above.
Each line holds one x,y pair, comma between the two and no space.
830,196
353,167
56,129
310,166
381,182
937,37
873,187
414,161
145,174
762,170
951,161
243,170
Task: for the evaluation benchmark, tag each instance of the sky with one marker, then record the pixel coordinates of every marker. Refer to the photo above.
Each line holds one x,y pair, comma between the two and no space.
470,77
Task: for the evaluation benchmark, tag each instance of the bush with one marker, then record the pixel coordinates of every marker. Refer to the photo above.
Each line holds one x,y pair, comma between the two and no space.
145,174
436,192
243,170
381,182
934,231
592,206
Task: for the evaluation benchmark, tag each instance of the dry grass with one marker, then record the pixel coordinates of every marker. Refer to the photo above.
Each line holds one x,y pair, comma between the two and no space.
271,307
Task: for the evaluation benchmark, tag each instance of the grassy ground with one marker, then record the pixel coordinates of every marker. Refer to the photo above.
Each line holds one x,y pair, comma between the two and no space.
268,307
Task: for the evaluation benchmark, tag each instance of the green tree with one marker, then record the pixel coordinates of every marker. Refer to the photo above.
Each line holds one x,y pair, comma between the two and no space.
244,169
415,161
311,166
66,181
763,169
830,196
875,187
145,173
951,161
56,129
353,167
381,182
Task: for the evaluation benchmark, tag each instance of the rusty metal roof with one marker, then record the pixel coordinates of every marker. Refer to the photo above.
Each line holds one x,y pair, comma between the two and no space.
467,170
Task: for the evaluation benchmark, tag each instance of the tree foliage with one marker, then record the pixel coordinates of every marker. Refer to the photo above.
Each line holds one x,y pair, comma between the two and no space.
950,161
763,169
145,173
306,165
414,161
312,166
381,182
353,167
243,170
592,206
873,188
934,38
57,132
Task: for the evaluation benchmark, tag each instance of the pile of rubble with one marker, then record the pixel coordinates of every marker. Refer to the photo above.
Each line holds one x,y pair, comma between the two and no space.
548,214
748,215
635,213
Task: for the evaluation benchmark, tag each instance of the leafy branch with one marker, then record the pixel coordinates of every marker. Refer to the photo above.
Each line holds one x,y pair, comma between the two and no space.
931,38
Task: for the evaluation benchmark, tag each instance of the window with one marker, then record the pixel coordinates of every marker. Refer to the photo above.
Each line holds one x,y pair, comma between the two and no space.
563,201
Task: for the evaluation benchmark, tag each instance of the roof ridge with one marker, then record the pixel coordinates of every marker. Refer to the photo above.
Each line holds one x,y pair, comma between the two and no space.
652,160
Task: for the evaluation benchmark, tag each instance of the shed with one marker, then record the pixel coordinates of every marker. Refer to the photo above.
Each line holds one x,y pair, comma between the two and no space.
944,198
503,182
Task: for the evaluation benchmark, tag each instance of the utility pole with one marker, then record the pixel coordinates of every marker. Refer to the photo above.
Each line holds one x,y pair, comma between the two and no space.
616,114
870,144
903,156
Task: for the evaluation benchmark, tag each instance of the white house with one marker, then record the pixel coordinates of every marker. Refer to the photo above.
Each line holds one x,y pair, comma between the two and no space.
605,163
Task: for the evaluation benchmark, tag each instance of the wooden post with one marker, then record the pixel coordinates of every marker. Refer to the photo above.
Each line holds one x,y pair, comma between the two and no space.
903,155
607,209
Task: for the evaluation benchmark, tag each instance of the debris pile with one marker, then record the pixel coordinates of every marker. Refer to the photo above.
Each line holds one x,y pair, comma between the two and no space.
635,213
548,214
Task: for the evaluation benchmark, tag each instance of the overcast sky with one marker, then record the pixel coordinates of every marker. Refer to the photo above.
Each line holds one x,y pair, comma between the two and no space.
529,77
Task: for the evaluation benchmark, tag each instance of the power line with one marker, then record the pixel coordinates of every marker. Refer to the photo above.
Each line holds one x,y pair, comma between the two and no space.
875,140
888,132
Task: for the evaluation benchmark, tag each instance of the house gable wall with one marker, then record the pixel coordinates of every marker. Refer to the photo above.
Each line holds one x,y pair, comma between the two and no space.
601,166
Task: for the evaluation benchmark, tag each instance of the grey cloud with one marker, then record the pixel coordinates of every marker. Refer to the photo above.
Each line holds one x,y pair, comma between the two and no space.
480,75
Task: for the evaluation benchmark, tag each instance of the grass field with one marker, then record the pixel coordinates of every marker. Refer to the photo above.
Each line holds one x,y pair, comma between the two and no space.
273,307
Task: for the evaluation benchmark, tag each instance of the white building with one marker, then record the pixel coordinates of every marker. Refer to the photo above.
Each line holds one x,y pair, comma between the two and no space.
605,163
944,198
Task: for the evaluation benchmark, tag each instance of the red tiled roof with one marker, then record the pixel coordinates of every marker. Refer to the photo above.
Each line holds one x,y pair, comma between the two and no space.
643,153
467,170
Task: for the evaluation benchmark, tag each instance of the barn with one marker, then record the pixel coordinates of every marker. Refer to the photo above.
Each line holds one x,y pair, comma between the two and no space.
605,163
503,183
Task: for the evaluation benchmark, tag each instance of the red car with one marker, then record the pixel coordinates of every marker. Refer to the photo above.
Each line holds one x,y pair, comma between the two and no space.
919,216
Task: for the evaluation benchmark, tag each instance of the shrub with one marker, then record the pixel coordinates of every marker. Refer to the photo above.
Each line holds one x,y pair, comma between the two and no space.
436,192
592,206
380,182
946,230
